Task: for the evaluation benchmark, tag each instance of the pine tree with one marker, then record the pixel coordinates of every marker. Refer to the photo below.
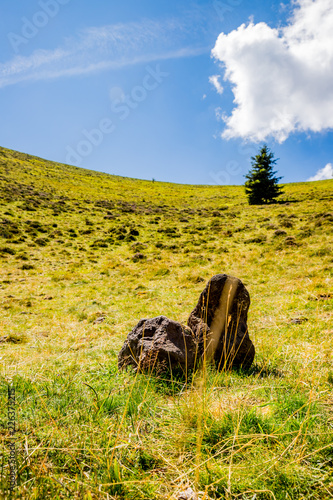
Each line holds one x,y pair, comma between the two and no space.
262,185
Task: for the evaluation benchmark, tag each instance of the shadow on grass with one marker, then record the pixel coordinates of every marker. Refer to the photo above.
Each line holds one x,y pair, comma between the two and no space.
172,382
261,370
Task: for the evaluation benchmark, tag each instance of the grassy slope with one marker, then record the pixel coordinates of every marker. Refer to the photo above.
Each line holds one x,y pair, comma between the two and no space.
70,253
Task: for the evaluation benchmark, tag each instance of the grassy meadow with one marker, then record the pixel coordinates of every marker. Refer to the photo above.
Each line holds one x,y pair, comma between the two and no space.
83,257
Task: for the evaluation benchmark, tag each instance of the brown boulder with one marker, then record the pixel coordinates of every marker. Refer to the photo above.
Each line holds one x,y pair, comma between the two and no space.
219,322
159,344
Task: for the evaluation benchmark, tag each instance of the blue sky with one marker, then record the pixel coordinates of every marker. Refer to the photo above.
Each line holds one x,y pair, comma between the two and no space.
177,91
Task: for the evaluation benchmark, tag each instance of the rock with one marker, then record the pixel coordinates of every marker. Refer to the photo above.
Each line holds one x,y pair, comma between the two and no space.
199,279
290,241
298,321
286,223
260,238
98,320
139,246
159,344
189,494
217,331
280,232
138,256
321,296
219,322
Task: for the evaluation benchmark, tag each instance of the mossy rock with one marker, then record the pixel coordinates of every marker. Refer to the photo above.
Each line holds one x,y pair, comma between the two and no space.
8,229
260,238
286,223
129,237
280,232
290,241
7,250
42,242
100,244
139,257
27,267
22,256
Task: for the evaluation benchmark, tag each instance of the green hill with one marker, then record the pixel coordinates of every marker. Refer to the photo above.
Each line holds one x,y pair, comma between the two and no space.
85,255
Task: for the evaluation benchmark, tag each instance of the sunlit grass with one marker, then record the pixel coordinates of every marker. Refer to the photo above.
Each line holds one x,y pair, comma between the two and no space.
76,278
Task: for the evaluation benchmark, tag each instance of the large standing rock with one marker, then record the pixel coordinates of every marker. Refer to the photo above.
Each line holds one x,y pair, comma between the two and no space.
219,322
159,344
216,331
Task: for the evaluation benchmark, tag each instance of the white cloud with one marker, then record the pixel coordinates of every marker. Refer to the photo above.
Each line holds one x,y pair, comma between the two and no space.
107,47
215,80
281,78
323,174
219,113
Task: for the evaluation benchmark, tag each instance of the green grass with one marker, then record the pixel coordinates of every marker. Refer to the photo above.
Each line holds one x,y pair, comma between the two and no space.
78,246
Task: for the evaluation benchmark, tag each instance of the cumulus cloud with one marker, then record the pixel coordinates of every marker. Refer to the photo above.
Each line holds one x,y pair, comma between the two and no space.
215,80
323,174
281,77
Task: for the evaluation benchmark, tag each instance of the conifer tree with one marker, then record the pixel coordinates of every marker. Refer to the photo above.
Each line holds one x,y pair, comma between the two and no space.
262,186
